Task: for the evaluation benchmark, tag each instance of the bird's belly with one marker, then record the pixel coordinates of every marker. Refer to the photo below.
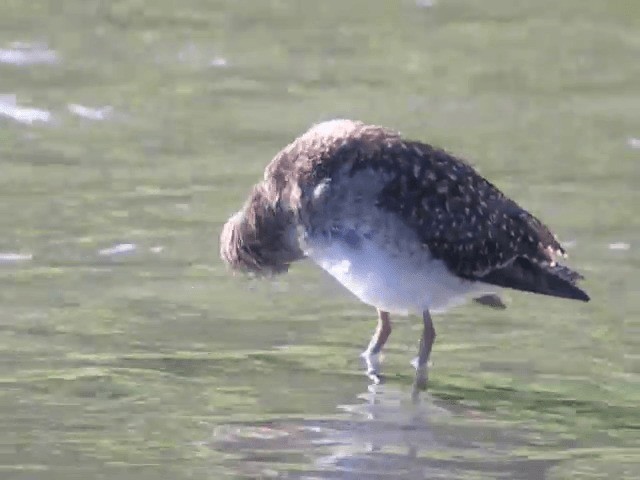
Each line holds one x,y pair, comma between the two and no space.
392,280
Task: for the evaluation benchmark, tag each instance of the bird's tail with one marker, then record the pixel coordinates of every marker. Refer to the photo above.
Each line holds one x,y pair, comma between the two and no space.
490,300
553,280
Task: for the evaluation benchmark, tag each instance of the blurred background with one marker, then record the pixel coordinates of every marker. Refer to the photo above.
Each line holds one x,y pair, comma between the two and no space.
130,130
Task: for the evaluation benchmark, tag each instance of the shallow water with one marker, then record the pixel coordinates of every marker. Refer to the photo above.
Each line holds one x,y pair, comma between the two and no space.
130,130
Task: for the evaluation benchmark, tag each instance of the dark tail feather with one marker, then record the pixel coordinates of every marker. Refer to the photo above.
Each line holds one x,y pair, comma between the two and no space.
556,281
491,300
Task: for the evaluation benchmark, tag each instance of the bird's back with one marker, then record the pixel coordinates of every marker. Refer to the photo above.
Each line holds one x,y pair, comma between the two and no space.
341,168
344,172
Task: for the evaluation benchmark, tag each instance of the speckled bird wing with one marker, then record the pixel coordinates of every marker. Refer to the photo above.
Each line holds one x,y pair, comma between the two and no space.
461,217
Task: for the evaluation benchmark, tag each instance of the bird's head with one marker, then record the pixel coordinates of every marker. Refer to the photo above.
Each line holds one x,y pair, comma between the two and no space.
257,239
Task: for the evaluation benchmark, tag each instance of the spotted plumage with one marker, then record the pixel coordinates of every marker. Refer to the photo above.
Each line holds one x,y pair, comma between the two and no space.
364,203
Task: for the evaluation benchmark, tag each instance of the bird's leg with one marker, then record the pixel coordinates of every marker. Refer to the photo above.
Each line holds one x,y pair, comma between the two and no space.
424,350
372,354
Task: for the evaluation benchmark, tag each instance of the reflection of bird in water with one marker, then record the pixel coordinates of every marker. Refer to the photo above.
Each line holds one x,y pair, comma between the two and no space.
380,436
406,227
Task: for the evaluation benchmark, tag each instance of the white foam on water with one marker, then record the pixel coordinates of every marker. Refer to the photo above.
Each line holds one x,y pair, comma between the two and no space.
13,257
21,54
619,246
118,249
196,56
101,113
9,108
219,62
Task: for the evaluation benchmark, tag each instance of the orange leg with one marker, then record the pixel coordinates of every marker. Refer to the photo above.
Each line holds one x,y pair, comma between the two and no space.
379,338
424,351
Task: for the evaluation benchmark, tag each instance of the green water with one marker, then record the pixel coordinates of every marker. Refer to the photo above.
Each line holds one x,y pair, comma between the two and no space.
153,363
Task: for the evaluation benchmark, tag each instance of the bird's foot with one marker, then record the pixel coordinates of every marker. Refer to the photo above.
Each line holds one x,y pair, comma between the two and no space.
422,375
422,378
372,362
419,383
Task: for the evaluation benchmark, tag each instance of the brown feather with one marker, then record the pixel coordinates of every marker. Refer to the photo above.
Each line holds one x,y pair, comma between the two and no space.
463,219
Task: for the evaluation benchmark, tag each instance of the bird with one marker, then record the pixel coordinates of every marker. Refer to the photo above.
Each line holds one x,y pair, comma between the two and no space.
406,227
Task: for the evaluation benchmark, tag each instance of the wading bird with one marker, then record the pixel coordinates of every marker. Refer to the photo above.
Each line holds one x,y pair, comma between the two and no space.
406,227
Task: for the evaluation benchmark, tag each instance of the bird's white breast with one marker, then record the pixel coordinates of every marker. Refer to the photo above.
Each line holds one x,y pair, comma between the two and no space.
390,279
